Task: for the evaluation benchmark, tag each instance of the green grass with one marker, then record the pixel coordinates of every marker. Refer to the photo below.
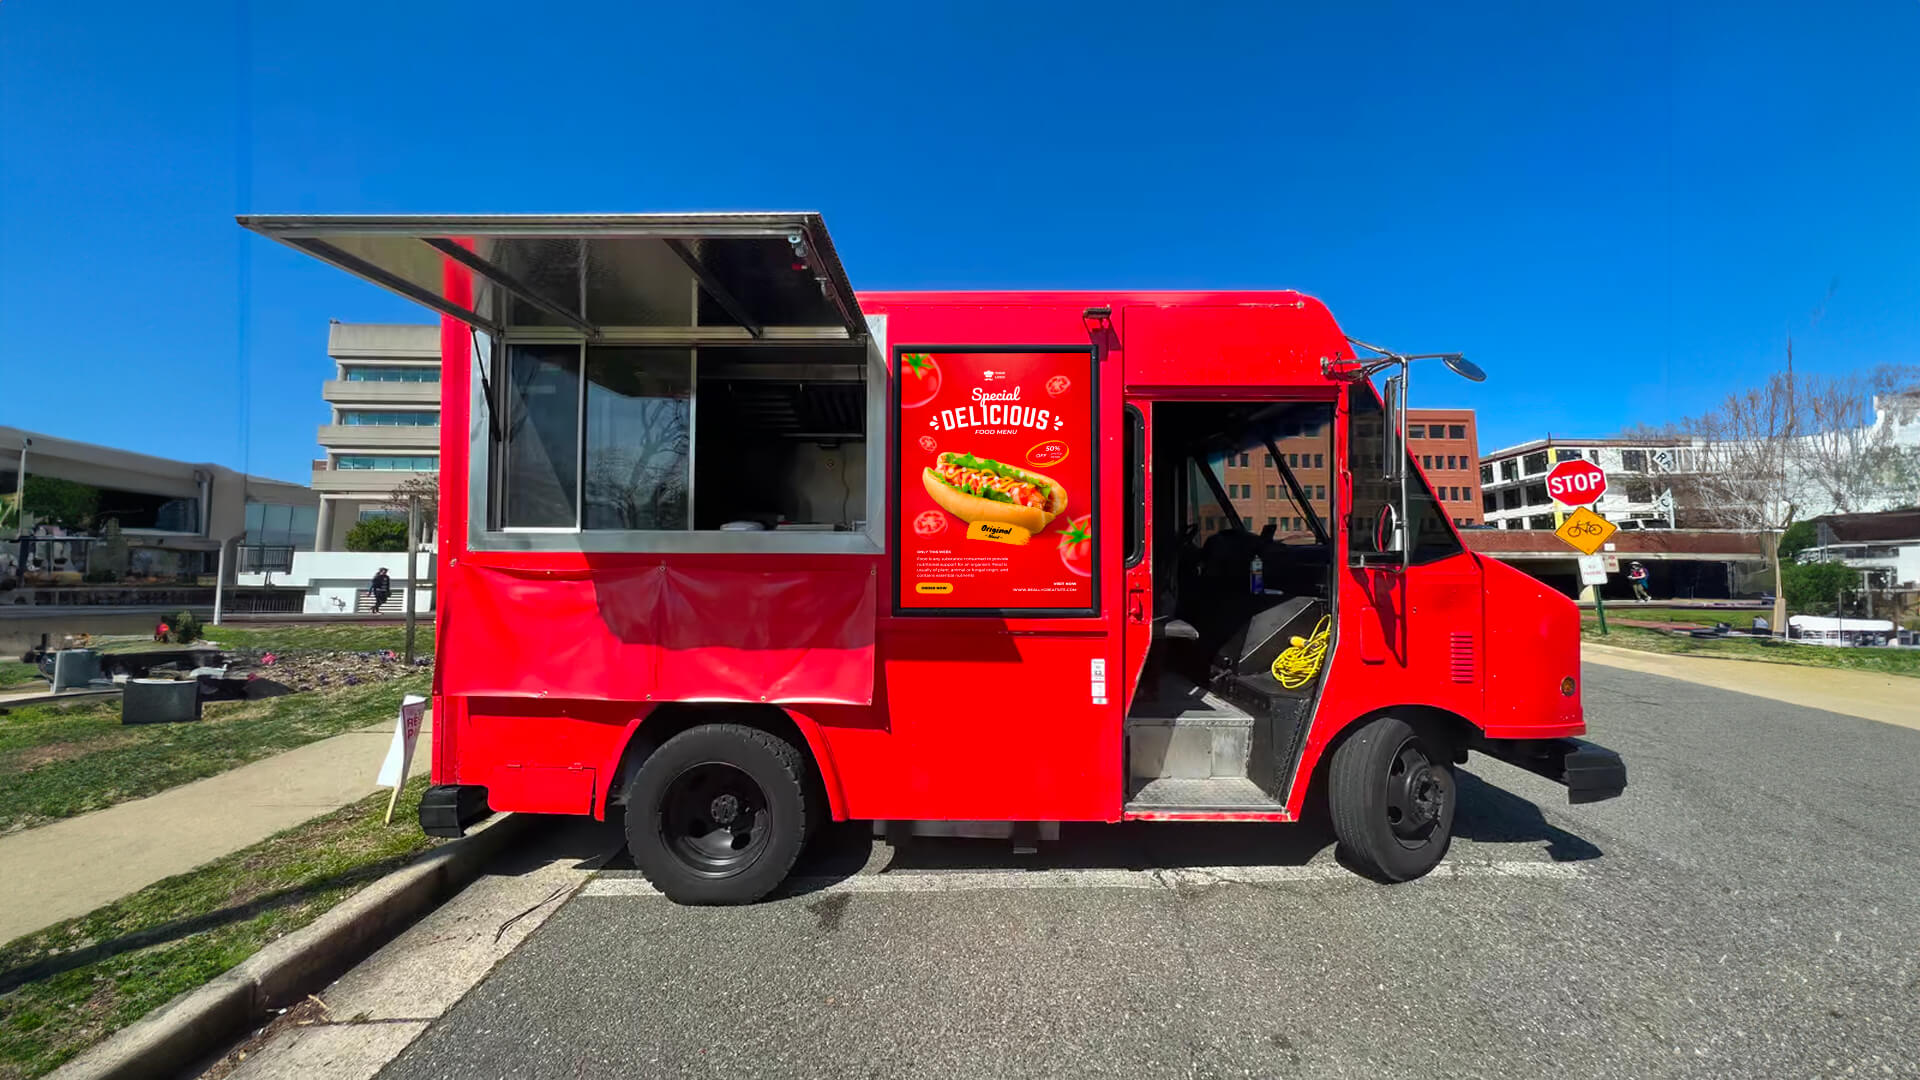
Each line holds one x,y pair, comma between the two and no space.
57,761
1620,609
65,988
15,675
340,637
1879,661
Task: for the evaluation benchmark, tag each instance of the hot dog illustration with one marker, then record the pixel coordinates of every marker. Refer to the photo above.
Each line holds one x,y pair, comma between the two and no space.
978,489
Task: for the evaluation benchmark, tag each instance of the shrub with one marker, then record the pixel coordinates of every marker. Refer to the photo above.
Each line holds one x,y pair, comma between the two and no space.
378,534
185,629
1814,587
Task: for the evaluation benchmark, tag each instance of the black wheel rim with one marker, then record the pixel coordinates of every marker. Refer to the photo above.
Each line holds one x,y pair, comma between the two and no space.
1417,794
714,818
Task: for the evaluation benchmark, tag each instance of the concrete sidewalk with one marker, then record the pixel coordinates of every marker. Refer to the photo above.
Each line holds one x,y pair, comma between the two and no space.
1890,699
70,867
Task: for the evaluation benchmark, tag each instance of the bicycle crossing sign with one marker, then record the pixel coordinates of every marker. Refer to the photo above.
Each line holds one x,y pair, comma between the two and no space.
1585,530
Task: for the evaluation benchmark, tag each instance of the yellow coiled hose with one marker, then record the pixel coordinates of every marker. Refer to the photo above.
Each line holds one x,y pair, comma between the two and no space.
1301,661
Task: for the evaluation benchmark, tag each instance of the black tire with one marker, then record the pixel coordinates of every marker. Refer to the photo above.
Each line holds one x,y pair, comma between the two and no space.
1391,796
718,814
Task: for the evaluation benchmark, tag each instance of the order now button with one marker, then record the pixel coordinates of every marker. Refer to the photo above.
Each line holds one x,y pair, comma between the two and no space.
933,588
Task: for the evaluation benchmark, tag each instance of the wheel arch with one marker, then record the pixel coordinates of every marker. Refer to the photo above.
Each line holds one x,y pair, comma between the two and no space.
651,730
1312,774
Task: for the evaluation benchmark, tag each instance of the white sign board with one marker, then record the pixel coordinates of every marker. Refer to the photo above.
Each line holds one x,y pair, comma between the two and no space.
1593,569
1613,562
406,730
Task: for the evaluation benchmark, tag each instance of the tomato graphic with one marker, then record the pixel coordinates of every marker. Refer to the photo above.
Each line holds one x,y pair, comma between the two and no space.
1058,385
927,444
930,523
919,379
1076,546
1050,452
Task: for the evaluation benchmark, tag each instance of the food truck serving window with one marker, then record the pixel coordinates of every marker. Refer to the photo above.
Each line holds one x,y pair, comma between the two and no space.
729,444
643,382
995,510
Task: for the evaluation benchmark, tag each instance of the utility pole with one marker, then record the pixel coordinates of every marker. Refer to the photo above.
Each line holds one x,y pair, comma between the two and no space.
413,544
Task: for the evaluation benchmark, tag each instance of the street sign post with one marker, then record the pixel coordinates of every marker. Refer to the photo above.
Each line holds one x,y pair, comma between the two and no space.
1577,483
1593,571
1585,531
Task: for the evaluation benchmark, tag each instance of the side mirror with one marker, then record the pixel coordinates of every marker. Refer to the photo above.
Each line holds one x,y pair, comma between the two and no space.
1387,533
1393,445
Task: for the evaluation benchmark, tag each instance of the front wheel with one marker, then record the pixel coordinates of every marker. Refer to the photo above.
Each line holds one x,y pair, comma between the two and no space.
1392,796
718,814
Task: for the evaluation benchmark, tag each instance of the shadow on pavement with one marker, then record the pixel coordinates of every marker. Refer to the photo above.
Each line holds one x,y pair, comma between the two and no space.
1487,815
1491,815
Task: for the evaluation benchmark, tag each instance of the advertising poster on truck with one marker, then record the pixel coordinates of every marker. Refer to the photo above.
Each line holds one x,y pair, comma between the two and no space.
996,503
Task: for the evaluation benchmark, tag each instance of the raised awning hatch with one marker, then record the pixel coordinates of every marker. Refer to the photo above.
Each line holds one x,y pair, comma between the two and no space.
688,278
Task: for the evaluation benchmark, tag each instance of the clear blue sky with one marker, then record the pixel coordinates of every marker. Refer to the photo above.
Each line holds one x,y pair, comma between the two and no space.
1619,211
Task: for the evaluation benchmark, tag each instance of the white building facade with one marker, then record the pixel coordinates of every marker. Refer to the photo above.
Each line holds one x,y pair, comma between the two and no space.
1645,482
384,422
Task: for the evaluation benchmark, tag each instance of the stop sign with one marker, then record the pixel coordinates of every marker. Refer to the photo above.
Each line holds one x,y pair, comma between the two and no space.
1577,483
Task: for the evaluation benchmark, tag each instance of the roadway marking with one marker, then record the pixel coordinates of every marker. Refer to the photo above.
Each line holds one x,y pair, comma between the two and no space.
1181,878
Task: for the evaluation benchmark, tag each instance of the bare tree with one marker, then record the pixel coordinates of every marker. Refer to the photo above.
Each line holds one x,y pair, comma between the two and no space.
426,488
1747,454
1850,455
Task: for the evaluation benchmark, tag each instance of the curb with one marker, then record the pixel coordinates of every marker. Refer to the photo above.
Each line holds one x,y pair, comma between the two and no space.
186,1029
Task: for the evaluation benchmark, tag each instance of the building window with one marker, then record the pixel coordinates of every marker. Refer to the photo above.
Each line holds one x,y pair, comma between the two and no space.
1426,461
1246,522
1416,431
1535,463
369,373
281,525
1272,492
1273,523
1510,499
1452,462
1487,504
1633,460
383,515
1266,460
1486,474
1319,491
1541,521
388,462
408,418
1537,495
1456,431
1509,470
1244,458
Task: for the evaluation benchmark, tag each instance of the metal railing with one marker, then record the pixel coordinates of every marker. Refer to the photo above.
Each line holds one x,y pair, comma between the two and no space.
265,558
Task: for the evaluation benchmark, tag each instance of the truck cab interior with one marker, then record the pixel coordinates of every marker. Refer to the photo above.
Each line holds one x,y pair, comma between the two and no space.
1219,716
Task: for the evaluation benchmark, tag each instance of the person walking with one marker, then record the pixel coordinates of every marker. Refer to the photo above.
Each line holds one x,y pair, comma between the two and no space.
1637,574
382,587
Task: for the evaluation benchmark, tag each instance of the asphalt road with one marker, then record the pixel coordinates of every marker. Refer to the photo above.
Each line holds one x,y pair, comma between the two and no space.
1750,908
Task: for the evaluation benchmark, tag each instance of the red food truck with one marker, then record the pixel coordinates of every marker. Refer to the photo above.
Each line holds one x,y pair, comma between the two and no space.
739,549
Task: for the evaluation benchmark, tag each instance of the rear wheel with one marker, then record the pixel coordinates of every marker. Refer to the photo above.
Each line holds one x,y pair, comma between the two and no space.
1391,795
718,814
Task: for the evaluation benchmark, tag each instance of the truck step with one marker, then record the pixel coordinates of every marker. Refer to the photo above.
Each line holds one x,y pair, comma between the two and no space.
1187,734
1215,793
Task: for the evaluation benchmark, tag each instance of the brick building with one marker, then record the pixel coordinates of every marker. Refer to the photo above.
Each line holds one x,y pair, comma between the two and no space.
1447,445
1443,441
